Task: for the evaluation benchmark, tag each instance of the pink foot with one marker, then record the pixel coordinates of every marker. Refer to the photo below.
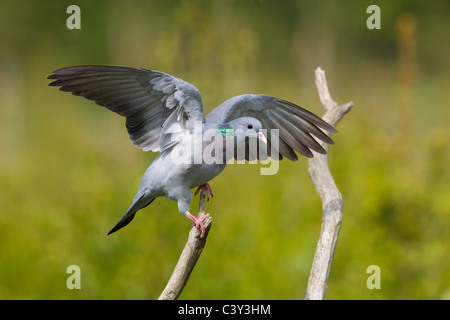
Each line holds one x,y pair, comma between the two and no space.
198,223
206,189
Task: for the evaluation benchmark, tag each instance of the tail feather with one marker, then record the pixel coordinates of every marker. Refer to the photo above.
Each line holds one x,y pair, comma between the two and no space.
129,215
126,219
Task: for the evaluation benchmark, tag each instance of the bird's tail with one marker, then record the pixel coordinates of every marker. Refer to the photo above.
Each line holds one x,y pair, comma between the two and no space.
129,215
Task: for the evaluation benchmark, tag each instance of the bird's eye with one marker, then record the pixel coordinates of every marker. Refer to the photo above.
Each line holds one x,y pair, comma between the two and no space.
250,126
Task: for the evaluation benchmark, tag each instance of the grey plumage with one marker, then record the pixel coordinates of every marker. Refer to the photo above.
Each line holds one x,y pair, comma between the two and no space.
161,114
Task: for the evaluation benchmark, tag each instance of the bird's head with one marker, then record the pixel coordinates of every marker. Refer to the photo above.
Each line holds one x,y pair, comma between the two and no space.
241,128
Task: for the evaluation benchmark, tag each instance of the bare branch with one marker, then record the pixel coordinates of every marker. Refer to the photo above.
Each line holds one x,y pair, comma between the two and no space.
332,202
191,253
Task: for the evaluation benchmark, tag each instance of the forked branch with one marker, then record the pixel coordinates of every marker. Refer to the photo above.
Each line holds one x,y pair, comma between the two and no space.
332,205
332,202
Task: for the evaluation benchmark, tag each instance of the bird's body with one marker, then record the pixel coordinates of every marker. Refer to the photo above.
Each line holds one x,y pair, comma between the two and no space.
163,178
165,114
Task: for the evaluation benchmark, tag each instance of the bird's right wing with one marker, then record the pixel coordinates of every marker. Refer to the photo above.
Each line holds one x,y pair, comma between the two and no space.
153,102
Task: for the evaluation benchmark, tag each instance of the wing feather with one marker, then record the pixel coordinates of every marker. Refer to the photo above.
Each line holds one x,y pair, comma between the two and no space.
146,98
296,126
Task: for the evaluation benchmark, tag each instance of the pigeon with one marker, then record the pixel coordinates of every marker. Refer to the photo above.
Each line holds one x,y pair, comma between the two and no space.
165,114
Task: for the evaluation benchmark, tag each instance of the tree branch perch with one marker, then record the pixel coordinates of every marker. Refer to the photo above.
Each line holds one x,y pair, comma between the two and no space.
189,257
332,205
332,202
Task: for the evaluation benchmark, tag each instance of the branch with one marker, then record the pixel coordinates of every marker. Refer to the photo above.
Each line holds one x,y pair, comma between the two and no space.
332,215
332,203
186,263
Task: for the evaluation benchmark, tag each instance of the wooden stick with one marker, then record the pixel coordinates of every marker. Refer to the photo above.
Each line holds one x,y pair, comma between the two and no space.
189,257
332,202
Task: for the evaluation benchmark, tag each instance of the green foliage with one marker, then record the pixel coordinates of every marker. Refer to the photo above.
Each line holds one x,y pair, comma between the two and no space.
68,170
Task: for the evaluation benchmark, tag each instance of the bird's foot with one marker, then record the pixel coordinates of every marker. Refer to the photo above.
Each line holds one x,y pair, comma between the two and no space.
206,189
198,223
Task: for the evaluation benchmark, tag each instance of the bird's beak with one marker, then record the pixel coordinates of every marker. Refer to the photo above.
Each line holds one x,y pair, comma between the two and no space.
262,137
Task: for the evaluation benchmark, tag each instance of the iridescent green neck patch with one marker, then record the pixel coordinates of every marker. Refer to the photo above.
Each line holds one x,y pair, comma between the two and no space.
226,130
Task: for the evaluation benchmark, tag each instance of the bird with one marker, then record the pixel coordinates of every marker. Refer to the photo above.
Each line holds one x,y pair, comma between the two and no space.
165,114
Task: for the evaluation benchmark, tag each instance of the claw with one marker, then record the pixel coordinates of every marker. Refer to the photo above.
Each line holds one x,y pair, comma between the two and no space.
198,222
206,189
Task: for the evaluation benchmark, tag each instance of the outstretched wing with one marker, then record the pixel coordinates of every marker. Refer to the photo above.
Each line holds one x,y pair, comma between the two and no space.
295,124
151,101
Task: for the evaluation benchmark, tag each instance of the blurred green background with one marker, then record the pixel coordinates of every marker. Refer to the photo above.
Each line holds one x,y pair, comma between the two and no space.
68,171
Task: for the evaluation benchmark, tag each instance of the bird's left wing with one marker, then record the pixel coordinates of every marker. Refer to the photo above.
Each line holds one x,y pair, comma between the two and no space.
153,102
295,125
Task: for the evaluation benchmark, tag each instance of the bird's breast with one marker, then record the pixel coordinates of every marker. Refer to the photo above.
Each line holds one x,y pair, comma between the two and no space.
200,174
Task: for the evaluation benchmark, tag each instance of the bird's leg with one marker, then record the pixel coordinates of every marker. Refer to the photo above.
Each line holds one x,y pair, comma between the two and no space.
198,222
206,189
